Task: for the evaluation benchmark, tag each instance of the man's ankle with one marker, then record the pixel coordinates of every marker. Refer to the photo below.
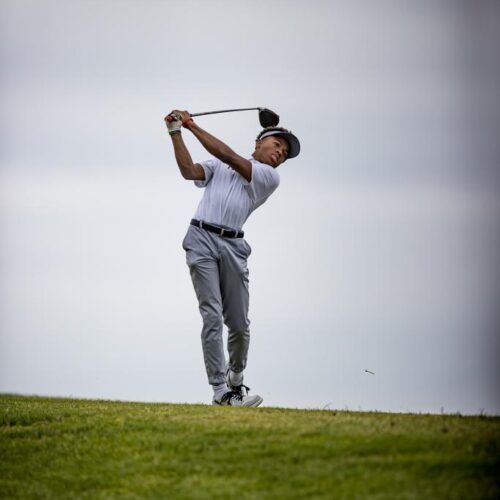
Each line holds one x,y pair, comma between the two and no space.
235,379
220,390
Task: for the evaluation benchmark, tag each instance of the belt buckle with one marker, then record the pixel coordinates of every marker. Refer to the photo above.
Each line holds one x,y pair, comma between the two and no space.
221,232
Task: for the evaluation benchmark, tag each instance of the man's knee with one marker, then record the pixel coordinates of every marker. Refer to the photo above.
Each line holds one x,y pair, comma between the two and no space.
212,324
240,326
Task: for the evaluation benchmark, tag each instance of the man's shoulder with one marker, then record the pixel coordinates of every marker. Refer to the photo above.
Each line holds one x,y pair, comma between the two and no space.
266,169
211,163
264,166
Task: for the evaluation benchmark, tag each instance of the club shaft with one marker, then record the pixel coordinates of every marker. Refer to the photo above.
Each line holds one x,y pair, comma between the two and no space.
223,111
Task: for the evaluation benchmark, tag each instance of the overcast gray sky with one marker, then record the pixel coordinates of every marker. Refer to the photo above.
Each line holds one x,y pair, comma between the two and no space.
378,252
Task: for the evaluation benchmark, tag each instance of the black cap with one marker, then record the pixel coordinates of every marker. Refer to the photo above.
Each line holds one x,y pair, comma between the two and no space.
293,142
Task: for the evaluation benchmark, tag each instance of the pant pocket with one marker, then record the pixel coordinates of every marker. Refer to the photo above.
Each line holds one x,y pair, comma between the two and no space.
186,242
248,248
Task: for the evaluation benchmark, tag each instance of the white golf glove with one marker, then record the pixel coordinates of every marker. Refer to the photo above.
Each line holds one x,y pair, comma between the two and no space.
175,125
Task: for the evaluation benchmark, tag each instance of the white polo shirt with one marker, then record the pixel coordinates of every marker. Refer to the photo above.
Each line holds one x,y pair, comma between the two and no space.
229,198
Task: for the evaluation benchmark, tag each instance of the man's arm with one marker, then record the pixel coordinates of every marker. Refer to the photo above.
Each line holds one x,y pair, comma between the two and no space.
217,148
189,170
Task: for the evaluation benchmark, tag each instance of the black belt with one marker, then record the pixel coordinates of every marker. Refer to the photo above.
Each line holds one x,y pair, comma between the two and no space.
226,233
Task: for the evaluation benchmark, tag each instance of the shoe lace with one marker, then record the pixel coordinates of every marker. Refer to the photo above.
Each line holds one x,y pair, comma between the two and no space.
231,395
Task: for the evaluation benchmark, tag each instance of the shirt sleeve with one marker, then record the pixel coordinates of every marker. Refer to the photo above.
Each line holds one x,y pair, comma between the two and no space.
264,181
209,166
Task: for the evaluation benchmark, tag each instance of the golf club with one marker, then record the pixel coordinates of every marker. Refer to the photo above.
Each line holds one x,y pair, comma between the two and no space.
267,118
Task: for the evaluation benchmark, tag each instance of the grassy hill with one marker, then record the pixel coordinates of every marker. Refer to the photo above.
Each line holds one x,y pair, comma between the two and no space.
62,448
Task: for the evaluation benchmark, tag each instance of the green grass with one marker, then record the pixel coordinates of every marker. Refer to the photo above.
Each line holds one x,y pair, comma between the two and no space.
63,448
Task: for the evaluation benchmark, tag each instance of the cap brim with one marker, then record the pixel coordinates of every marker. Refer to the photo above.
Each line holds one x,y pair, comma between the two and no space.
293,143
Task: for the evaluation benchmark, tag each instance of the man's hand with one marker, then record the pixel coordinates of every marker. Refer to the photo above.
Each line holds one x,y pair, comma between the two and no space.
174,122
185,117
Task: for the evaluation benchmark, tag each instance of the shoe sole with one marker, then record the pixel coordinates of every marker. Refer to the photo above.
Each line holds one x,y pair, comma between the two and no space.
256,401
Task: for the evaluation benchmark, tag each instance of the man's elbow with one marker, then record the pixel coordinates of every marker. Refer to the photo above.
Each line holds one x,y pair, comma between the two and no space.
193,173
188,175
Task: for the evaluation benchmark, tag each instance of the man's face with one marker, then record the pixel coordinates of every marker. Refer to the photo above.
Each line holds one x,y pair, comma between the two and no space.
272,150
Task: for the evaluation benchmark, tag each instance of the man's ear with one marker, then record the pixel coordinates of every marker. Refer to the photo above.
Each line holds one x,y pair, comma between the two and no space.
257,144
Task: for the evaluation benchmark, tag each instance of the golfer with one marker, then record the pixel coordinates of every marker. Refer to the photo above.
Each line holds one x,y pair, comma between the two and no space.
216,252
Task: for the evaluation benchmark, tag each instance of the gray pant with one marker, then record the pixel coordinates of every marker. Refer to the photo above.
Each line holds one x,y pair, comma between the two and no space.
219,272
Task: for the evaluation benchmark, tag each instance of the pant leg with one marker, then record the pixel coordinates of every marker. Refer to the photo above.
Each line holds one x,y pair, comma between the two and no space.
201,257
235,301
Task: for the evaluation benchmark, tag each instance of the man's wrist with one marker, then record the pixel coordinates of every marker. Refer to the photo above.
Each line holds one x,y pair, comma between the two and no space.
174,132
188,122
190,125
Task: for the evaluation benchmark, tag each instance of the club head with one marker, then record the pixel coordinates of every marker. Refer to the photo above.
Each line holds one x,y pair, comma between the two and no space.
268,118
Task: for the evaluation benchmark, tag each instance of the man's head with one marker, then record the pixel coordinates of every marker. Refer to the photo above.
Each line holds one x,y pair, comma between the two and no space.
274,145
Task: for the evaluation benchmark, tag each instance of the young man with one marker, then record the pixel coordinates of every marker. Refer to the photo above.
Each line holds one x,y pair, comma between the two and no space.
216,251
